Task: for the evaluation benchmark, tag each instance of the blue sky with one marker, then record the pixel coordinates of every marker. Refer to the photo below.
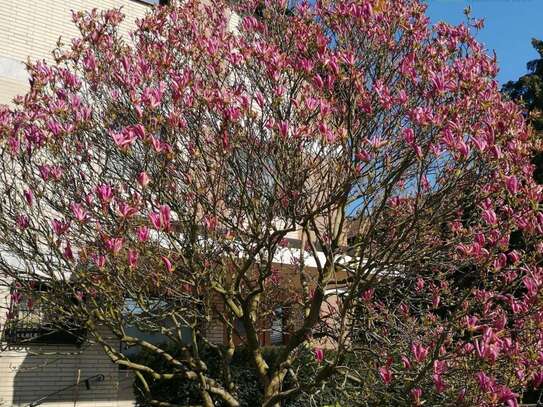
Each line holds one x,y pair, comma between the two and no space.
509,28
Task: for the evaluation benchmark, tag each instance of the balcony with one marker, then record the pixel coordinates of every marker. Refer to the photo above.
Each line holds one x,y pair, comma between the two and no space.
20,333
31,322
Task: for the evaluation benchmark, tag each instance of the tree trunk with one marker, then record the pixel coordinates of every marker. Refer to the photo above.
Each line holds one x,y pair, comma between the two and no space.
272,388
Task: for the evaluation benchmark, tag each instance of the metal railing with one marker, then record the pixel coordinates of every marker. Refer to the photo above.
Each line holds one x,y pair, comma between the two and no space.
87,382
20,332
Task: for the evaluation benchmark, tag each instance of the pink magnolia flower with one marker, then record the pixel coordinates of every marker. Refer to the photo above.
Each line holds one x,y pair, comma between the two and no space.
143,179
210,222
419,351
419,284
143,233
500,262
79,295
538,379
326,132
165,217
438,80
404,310
114,244
139,131
133,256
480,239
16,297
462,148
367,295
514,256
54,127
363,156
440,366
507,397
386,374
283,129
126,210
512,184
480,143
68,254
468,250
123,139
89,62
439,383
406,362
157,144
233,114
421,115
100,261
317,80
532,286
105,193
155,220
500,322
471,323
59,227
44,171
56,172
416,395
436,300
409,136
401,97
152,97
167,264
485,382
496,152
489,216
319,354
79,212
14,145
29,196
22,221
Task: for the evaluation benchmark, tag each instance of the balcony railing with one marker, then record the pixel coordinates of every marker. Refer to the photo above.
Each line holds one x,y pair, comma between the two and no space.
17,332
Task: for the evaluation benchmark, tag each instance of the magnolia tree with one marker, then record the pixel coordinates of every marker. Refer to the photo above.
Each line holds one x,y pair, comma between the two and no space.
152,181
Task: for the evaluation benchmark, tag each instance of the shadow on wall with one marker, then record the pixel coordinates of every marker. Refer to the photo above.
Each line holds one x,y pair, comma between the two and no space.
78,377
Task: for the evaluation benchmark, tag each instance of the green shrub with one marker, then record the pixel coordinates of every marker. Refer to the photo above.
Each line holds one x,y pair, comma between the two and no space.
248,389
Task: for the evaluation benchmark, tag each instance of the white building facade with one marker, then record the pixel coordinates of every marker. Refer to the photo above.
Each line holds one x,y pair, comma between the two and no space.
56,371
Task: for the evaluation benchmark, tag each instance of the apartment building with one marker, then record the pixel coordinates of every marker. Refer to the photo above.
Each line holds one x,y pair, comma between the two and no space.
55,369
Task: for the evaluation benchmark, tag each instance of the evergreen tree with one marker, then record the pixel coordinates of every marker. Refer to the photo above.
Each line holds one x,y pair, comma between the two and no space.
528,89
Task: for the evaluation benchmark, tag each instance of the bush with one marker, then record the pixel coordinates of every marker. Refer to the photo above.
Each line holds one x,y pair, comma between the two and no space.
249,391
180,391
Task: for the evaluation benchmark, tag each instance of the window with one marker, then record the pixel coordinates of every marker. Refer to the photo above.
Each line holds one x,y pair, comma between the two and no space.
276,334
133,313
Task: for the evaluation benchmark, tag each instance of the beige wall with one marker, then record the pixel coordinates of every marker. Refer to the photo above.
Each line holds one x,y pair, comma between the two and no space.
31,28
30,372
25,378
